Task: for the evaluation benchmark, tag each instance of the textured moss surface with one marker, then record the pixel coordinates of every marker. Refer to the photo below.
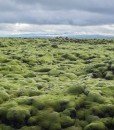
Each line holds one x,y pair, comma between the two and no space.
56,84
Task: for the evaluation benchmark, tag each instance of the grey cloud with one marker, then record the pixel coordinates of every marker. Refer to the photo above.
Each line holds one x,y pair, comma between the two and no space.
73,12
101,6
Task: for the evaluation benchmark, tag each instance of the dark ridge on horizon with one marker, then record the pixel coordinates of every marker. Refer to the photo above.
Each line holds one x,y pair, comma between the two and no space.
97,36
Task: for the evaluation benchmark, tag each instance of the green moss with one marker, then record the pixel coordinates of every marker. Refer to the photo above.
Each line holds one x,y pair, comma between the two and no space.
30,75
3,113
40,85
38,104
44,70
73,128
109,122
92,118
81,114
95,97
71,76
33,120
109,75
81,123
70,112
104,110
76,89
65,86
3,59
112,67
54,45
61,105
18,114
95,126
55,126
66,121
31,128
4,96
4,127
34,93
80,102
49,120
28,92
57,104
24,100
54,72
69,57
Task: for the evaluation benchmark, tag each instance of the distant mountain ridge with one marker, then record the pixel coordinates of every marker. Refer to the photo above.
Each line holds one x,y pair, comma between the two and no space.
46,35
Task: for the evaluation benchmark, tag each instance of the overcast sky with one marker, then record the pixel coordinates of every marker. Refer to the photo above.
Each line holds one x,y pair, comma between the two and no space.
61,16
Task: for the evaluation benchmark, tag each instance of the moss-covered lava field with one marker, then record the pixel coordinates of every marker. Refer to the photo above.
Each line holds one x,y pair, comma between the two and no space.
56,84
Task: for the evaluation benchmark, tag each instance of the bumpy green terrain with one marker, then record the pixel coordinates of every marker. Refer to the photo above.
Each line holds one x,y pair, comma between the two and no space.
56,84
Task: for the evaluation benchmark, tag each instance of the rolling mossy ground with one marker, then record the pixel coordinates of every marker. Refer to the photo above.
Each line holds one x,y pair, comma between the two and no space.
56,84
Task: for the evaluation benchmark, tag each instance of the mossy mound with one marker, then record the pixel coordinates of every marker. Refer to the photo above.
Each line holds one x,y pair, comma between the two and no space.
77,89
66,121
4,96
18,116
104,110
49,120
103,70
95,126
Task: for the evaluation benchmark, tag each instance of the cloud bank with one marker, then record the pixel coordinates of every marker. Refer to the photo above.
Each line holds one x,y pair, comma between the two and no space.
26,15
